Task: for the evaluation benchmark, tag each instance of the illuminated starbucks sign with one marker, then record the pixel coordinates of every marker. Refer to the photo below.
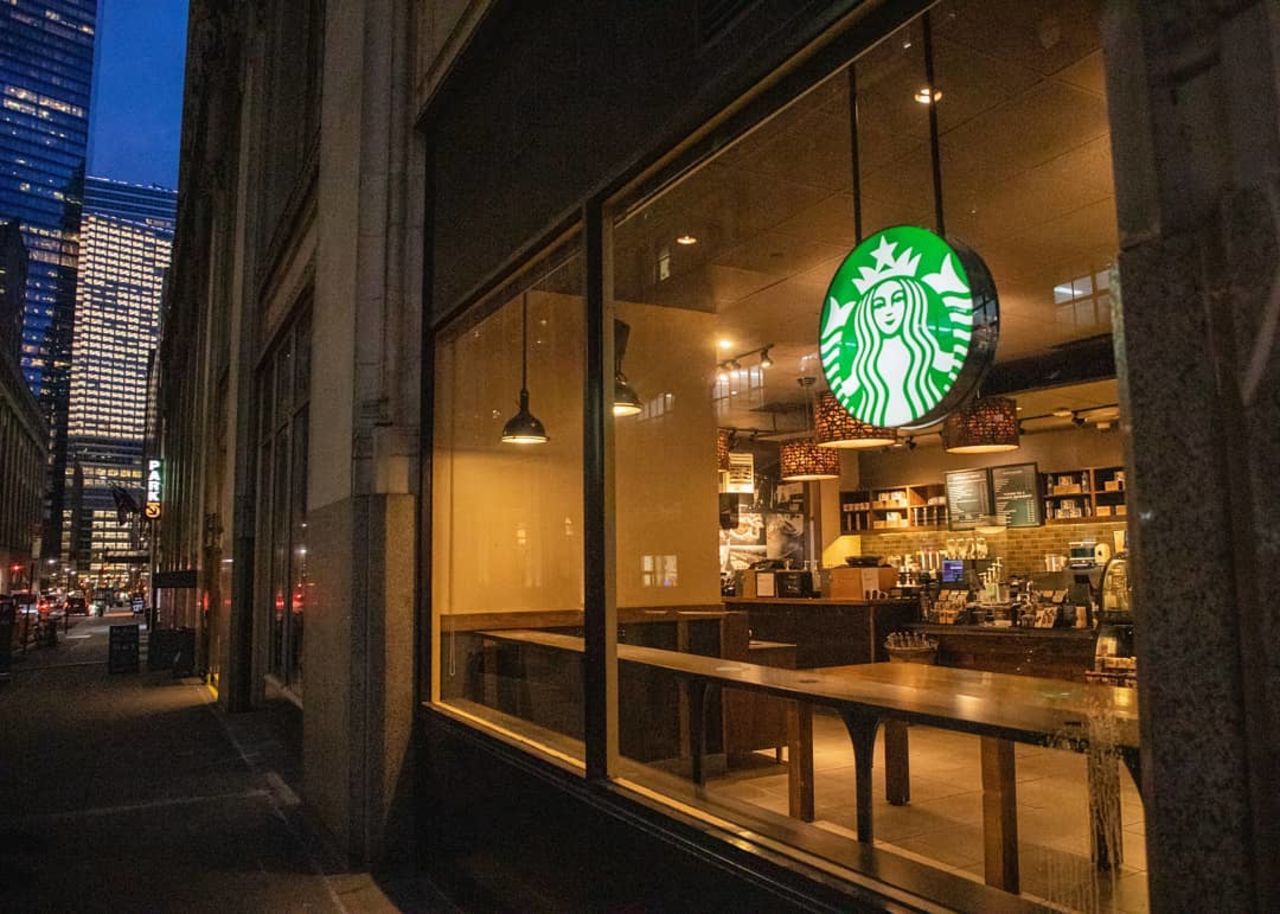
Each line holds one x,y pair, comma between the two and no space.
909,327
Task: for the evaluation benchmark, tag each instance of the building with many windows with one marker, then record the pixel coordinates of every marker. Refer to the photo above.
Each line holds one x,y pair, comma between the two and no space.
23,444
46,76
13,286
126,238
23,434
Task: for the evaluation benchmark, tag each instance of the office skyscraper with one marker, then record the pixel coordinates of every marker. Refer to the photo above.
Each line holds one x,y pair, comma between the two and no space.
126,238
13,288
46,76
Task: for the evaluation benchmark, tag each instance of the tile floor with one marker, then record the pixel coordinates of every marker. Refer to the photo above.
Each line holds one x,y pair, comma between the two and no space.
943,823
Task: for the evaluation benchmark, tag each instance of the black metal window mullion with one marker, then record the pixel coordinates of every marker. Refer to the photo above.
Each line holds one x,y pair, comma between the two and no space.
599,612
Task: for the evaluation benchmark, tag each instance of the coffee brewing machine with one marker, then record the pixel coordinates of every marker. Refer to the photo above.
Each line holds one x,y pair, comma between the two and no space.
1114,660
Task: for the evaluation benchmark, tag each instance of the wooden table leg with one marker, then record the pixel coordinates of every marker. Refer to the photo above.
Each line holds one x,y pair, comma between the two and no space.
897,764
862,727
1000,814
1107,842
697,729
800,760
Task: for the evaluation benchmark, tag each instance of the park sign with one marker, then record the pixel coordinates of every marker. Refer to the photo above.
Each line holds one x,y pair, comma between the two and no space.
154,486
909,327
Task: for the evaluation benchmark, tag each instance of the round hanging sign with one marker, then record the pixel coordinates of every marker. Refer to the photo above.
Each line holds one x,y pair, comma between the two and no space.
909,327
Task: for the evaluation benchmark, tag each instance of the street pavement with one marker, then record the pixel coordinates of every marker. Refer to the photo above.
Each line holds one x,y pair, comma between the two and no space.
133,793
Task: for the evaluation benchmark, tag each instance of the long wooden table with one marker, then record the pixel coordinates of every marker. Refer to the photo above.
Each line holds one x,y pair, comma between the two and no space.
1000,708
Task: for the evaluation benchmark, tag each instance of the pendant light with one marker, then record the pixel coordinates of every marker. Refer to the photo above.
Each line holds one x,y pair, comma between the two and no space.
626,402
987,425
524,427
835,428
804,460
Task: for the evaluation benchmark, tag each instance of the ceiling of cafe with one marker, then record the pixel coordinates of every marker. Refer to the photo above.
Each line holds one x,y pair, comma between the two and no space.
1025,159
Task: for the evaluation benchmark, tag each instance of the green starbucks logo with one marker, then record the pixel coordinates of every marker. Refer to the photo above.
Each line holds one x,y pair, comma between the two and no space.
909,327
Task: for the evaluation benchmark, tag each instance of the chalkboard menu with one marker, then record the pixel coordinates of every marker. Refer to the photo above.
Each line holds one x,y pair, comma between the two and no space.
122,649
1017,494
968,497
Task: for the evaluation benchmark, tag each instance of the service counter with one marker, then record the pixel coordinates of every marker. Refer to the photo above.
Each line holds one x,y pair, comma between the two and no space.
1057,653
826,632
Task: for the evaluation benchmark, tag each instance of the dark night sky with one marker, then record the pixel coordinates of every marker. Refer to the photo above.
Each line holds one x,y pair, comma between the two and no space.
136,118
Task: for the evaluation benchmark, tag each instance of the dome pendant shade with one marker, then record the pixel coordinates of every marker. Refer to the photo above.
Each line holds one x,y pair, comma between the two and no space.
626,402
805,461
524,427
986,426
835,428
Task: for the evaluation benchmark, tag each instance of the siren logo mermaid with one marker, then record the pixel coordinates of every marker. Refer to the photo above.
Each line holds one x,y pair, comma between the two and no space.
895,331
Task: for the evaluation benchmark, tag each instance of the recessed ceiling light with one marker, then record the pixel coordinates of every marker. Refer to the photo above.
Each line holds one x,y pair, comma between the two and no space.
925,95
726,344
686,239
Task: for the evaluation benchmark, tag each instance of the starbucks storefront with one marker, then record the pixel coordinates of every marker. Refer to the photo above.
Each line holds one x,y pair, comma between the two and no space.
778,478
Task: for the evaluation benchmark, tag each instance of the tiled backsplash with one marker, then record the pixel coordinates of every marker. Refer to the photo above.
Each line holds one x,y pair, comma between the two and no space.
1023,549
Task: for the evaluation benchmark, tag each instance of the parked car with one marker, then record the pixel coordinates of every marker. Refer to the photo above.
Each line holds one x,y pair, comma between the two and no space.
28,604
77,606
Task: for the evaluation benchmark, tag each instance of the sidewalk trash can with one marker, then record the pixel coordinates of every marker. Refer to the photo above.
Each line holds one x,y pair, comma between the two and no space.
172,649
7,618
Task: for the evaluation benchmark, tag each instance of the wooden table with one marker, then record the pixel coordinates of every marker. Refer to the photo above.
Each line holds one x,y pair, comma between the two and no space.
1000,708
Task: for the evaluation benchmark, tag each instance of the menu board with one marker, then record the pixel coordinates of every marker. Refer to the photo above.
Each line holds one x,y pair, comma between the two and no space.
968,497
1017,494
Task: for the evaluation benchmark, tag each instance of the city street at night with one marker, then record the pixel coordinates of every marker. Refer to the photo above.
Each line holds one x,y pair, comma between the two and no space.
131,793
605,457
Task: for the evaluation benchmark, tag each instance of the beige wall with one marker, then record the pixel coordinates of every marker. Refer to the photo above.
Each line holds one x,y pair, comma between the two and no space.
507,531
507,519
666,474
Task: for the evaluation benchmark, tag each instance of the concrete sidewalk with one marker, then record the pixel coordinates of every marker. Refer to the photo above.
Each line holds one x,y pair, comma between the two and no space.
132,793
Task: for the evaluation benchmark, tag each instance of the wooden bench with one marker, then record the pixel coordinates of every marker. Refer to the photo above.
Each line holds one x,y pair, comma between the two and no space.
1001,709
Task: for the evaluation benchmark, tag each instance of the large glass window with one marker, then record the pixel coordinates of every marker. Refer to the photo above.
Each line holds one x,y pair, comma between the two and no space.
507,583
282,580
718,281
765,587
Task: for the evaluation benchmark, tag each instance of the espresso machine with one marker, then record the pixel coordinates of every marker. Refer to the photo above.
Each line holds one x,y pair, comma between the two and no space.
1114,659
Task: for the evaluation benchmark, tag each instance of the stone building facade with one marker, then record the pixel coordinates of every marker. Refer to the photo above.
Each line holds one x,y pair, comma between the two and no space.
291,404
299,230
24,444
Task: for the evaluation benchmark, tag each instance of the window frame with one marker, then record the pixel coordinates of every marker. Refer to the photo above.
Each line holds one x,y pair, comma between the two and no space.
522,272
615,197
277,421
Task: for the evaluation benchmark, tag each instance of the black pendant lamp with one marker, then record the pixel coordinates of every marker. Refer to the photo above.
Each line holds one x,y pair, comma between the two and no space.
524,427
626,402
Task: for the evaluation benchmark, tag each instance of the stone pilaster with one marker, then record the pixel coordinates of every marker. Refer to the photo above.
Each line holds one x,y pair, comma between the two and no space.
1194,120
